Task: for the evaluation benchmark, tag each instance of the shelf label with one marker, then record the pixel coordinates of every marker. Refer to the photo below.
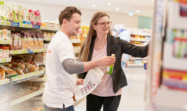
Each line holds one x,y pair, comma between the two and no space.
35,73
15,52
43,50
23,51
30,51
27,25
1,82
3,60
45,79
19,77
3,23
36,50
21,24
26,75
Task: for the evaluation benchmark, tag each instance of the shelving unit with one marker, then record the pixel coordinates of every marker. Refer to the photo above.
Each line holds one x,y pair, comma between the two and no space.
22,99
135,65
140,40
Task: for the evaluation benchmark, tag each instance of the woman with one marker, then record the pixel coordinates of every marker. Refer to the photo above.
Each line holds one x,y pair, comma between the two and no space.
100,43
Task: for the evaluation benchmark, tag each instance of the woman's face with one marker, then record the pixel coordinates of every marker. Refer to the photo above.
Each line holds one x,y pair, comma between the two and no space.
103,25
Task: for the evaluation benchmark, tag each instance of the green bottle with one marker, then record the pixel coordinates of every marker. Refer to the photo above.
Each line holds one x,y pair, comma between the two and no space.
110,68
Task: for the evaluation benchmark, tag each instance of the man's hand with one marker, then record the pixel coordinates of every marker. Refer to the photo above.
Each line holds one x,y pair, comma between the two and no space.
80,81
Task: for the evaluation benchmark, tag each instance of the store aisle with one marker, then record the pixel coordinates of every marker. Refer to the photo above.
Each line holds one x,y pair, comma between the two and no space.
133,95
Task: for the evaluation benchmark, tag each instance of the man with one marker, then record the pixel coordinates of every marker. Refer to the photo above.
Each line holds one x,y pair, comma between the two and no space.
61,66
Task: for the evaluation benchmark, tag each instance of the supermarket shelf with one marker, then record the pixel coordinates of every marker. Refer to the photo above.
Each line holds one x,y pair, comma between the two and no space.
40,63
39,50
140,40
39,79
3,60
22,27
135,65
27,97
77,52
5,42
26,77
5,81
39,98
84,36
76,42
27,51
141,34
47,39
140,58
48,30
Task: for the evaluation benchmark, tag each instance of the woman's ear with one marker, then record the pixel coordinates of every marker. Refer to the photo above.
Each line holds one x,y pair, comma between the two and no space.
94,26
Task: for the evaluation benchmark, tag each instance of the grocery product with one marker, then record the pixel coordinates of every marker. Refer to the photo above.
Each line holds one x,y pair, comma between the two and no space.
24,39
2,74
110,68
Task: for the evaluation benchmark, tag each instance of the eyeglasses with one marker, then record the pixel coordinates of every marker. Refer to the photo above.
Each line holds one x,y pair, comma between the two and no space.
105,23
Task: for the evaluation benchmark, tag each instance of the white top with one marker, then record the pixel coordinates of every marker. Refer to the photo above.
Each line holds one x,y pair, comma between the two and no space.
60,85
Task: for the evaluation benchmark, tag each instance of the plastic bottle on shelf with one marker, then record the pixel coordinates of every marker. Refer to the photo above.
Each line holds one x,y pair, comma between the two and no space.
110,68
185,36
37,17
32,17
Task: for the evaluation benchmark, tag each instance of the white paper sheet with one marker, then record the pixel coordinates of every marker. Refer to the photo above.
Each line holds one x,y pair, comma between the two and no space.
91,81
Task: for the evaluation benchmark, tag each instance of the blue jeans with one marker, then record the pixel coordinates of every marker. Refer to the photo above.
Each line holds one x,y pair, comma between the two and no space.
71,108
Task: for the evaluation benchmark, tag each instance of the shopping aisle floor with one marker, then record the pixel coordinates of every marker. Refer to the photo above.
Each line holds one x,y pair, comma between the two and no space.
132,95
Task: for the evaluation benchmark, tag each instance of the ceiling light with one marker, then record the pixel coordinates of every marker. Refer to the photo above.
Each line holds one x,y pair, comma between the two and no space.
117,8
93,5
138,11
130,14
109,3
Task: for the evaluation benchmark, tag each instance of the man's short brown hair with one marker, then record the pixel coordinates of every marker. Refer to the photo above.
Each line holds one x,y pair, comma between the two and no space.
67,14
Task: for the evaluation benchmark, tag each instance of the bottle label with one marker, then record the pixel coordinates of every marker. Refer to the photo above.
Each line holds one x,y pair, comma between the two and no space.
108,69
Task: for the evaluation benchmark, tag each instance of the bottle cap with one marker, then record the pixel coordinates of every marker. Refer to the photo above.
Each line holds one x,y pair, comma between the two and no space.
113,55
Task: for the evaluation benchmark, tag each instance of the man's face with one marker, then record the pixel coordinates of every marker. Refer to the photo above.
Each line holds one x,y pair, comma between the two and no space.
74,24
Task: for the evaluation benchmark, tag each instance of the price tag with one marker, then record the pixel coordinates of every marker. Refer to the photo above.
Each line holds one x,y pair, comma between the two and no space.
19,77
35,73
32,94
3,60
26,75
21,25
6,81
1,82
2,23
43,50
37,50
15,52
26,25
23,51
30,51
45,79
